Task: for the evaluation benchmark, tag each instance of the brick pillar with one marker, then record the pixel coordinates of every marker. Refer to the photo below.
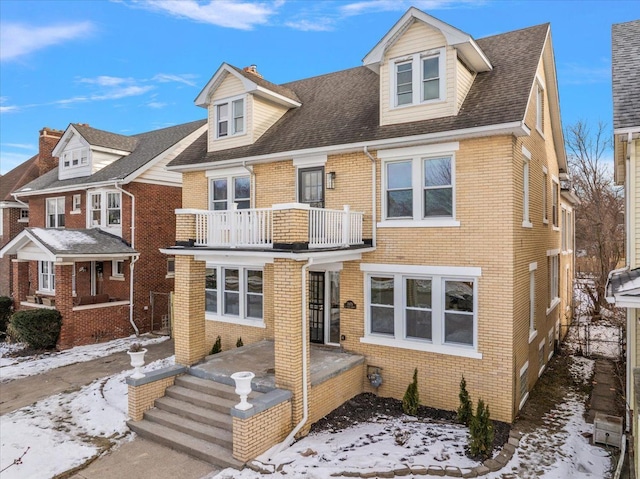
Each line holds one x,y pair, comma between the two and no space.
188,306
64,303
20,272
288,331
291,223
185,225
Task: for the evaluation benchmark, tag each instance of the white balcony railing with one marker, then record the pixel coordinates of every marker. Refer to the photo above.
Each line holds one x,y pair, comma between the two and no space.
254,228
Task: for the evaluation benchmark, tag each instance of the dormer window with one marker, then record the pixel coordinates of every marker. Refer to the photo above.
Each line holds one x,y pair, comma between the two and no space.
75,158
230,116
418,78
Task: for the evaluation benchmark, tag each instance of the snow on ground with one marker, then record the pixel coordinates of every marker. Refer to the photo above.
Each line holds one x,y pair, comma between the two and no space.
65,430
19,367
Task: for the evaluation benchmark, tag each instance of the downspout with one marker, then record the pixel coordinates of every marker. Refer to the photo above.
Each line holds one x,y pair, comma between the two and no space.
305,388
134,259
252,185
15,197
630,312
374,213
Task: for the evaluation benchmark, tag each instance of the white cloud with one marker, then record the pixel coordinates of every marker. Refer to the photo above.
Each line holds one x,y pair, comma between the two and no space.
368,6
105,80
156,104
9,109
315,25
23,146
18,40
187,78
223,13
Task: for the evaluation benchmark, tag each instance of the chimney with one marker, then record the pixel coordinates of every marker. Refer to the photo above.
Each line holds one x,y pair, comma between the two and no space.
48,140
253,69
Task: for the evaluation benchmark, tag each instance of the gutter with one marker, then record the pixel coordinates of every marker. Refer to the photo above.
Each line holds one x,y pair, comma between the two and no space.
134,259
374,213
15,197
305,386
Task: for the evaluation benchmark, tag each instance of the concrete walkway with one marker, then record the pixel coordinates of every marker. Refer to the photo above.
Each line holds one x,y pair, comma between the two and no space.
26,391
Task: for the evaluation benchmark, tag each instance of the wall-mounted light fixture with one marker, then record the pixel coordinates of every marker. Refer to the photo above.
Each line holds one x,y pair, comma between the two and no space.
331,180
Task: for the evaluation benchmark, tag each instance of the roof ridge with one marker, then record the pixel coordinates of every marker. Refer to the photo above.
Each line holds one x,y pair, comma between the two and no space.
546,24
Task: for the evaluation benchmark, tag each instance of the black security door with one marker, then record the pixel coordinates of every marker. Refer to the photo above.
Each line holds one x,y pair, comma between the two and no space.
316,307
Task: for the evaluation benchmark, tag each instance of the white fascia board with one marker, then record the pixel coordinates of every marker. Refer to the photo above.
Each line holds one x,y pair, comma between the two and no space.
158,159
20,241
64,139
225,69
65,189
11,204
319,257
275,97
634,130
448,271
95,257
112,151
516,128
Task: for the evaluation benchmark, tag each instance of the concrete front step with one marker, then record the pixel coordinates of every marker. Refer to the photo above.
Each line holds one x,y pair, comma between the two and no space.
197,398
211,387
195,413
216,435
207,451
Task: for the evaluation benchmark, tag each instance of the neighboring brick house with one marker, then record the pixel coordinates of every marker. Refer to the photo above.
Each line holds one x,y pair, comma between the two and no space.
408,211
623,287
14,215
96,224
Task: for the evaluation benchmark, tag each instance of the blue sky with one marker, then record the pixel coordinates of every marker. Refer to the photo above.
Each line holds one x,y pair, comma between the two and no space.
130,66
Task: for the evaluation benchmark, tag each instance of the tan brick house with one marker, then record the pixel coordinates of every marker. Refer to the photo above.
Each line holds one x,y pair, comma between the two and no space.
14,215
96,222
407,212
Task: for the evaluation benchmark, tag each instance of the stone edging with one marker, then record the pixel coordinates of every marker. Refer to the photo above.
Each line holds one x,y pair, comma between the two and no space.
490,465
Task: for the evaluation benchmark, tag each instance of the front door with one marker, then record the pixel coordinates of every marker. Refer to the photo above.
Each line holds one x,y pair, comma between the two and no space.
311,186
324,307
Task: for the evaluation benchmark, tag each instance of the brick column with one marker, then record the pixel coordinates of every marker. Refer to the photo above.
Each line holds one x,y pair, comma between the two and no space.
290,223
189,300
288,331
20,272
185,225
64,303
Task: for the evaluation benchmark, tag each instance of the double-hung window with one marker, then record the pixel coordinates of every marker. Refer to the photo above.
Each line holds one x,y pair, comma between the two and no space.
419,185
76,157
554,202
526,219
430,312
230,115
226,191
545,188
105,209
234,293
418,78
55,212
553,268
46,276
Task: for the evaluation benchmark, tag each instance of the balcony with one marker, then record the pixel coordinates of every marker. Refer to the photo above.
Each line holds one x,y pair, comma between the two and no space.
285,226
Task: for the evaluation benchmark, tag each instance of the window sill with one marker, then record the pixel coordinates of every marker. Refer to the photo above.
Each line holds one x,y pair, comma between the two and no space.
420,346
527,224
524,400
116,278
435,101
256,323
533,335
545,221
436,223
75,212
541,370
170,276
554,303
556,228
23,220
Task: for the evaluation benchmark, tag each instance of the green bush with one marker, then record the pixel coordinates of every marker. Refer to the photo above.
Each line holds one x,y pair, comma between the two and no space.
411,399
217,346
6,308
39,328
481,430
465,411
239,342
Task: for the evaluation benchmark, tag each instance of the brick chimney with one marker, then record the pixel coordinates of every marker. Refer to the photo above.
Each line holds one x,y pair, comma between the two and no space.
253,69
48,140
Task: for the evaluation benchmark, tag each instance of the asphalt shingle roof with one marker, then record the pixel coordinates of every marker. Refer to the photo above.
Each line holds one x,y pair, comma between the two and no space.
20,175
106,139
147,146
279,89
625,66
92,241
343,107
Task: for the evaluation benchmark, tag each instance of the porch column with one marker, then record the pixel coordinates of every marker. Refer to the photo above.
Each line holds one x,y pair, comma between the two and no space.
188,306
64,303
20,272
288,331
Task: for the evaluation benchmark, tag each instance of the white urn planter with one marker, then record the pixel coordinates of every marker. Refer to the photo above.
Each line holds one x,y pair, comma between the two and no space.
137,361
243,388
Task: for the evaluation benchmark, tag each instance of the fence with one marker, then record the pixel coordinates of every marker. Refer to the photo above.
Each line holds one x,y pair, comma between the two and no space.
594,339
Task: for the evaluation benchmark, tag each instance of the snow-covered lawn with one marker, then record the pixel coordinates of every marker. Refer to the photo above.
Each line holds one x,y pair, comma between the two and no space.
66,430
19,367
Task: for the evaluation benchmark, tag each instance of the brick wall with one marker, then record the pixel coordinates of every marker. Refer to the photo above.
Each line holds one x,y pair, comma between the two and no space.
334,392
11,227
141,398
256,434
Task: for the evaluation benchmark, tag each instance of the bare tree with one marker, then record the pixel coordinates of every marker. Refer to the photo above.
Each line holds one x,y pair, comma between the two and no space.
599,230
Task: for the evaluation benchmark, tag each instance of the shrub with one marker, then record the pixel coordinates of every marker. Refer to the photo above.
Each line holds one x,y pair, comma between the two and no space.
39,328
217,346
6,308
239,342
411,399
481,430
465,411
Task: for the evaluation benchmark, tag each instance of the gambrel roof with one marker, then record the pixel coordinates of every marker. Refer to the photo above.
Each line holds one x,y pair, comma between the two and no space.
342,108
144,147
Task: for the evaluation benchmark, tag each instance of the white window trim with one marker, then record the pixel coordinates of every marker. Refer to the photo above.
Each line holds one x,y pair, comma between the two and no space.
230,125
556,197
541,346
533,332
523,369
555,300
104,210
68,155
242,319
56,214
551,338
51,276
171,274
114,270
416,78
545,194
417,156
526,170
21,219
438,275
241,173
540,106
76,201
